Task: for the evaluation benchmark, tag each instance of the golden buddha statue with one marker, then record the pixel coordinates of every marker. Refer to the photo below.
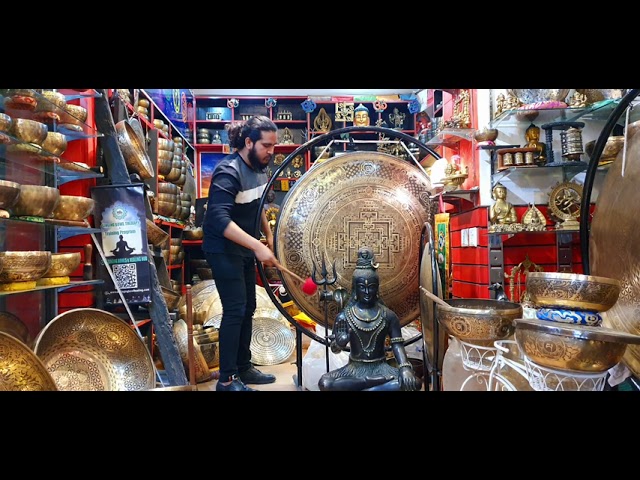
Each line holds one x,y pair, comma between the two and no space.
502,213
532,135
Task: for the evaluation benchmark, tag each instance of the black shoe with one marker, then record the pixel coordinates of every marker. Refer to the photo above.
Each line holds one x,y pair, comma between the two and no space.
236,385
255,376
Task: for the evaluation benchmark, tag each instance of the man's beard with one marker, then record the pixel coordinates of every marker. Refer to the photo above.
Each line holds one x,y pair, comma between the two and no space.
255,161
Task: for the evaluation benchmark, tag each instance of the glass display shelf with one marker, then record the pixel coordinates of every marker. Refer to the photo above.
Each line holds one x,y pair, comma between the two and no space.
63,231
41,109
596,111
451,137
51,287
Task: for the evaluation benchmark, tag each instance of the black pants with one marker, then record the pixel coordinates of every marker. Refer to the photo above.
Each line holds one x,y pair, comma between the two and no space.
235,278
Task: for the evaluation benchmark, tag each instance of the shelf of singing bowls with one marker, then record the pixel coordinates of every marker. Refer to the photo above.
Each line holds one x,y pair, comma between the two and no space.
21,369
479,321
527,96
73,207
196,233
171,297
572,291
133,150
576,348
36,201
63,264
9,192
29,131
611,149
24,266
486,135
91,349
11,324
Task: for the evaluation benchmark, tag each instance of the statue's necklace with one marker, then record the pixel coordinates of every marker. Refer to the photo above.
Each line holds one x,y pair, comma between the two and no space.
375,325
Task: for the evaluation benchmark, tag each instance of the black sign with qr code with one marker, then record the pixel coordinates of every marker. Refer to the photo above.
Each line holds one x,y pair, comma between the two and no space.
120,214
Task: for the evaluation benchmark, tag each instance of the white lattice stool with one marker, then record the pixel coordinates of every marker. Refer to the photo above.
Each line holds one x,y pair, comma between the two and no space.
548,379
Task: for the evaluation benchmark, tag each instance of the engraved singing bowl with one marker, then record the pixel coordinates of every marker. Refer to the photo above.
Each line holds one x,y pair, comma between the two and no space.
22,370
29,131
611,148
133,150
572,291
478,320
55,143
5,122
73,115
170,297
9,192
486,134
91,349
63,264
156,235
181,335
357,197
11,324
577,348
36,200
24,266
614,250
73,207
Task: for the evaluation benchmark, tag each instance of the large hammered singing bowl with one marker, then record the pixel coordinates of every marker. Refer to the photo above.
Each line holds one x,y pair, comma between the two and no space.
572,291
614,250
478,320
24,266
133,150
343,203
36,200
87,349
20,369
577,348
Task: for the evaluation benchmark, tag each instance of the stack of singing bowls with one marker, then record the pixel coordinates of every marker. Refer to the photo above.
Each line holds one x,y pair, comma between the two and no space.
183,209
166,200
176,251
165,156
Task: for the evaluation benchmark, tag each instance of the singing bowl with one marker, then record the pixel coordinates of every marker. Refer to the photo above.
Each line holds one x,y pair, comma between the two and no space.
50,101
36,200
91,349
9,192
528,95
29,131
73,115
55,143
577,348
196,233
614,251
73,207
572,291
133,150
12,325
478,320
63,264
170,297
611,148
24,266
5,122
211,353
181,335
156,235
271,342
486,135
337,205
22,370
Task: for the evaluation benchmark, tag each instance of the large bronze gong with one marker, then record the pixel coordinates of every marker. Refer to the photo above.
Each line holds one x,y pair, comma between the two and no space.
614,250
343,203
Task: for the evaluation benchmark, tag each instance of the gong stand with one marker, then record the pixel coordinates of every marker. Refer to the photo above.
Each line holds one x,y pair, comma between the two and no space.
340,132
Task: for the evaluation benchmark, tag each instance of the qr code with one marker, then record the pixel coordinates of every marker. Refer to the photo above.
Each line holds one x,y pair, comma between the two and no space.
126,275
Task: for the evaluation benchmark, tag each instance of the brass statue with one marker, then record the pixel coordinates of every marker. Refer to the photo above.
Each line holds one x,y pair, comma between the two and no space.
532,135
322,122
364,324
502,214
534,220
361,116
